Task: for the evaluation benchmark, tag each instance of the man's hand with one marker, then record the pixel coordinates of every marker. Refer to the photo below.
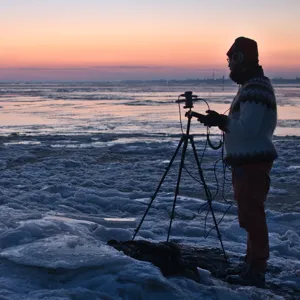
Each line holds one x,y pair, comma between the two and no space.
199,117
212,118
215,119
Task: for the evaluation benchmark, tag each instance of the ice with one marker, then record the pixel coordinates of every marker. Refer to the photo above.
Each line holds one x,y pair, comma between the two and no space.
87,174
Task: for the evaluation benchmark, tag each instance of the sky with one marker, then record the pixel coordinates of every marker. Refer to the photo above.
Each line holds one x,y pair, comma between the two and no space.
133,39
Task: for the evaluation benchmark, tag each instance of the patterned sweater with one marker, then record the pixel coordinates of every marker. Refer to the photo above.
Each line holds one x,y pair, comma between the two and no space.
251,123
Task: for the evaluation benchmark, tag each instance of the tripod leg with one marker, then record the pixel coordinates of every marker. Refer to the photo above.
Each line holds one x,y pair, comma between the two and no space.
158,187
208,195
178,182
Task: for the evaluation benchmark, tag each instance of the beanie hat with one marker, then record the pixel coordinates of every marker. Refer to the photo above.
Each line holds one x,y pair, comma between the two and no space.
245,47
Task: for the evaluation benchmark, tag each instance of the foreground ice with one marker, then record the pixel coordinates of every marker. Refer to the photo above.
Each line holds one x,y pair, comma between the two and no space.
62,198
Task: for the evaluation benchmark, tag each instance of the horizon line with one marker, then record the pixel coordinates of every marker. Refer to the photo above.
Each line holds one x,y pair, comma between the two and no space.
296,78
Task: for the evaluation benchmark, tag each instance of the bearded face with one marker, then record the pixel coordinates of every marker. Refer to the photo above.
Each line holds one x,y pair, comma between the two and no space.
242,72
242,69
237,72
237,67
243,60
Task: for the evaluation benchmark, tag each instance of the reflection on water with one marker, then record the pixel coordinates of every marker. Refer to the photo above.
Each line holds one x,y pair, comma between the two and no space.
283,131
11,119
148,109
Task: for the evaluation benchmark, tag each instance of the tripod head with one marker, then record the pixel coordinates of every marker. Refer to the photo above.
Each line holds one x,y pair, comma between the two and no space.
189,98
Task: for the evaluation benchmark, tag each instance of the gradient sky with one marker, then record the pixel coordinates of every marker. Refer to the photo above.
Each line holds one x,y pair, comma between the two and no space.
141,39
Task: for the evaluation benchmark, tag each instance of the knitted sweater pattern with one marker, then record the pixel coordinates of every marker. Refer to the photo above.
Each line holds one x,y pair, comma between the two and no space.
251,123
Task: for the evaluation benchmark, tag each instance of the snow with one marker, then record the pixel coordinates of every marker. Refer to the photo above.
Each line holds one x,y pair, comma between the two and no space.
86,174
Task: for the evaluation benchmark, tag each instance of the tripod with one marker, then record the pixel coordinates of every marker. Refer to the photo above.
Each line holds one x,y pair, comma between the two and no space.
185,139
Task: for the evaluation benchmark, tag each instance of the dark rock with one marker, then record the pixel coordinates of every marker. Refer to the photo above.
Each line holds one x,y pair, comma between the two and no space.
173,259
183,260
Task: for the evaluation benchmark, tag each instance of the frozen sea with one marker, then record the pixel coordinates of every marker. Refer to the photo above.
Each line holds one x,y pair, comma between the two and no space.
79,163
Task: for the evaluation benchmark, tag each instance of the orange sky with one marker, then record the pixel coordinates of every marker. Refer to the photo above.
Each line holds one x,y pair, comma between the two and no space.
173,34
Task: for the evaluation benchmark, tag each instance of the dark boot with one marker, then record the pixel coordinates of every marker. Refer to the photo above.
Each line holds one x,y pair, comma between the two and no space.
250,276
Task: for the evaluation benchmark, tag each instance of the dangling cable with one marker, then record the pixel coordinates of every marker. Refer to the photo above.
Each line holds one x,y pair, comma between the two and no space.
209,141
180,120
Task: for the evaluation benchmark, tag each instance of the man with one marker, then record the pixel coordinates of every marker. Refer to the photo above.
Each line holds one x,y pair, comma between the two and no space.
248,129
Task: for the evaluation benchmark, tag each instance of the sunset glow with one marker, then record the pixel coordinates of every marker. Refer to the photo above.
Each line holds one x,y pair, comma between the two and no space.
174,39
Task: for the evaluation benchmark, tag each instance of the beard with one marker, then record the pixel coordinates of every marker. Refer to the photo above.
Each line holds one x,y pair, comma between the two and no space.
238,76
241,74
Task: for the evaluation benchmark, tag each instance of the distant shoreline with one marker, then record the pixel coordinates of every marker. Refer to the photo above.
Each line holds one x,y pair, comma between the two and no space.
220,81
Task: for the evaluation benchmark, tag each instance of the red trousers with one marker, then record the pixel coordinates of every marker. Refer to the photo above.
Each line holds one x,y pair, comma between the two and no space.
251,183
